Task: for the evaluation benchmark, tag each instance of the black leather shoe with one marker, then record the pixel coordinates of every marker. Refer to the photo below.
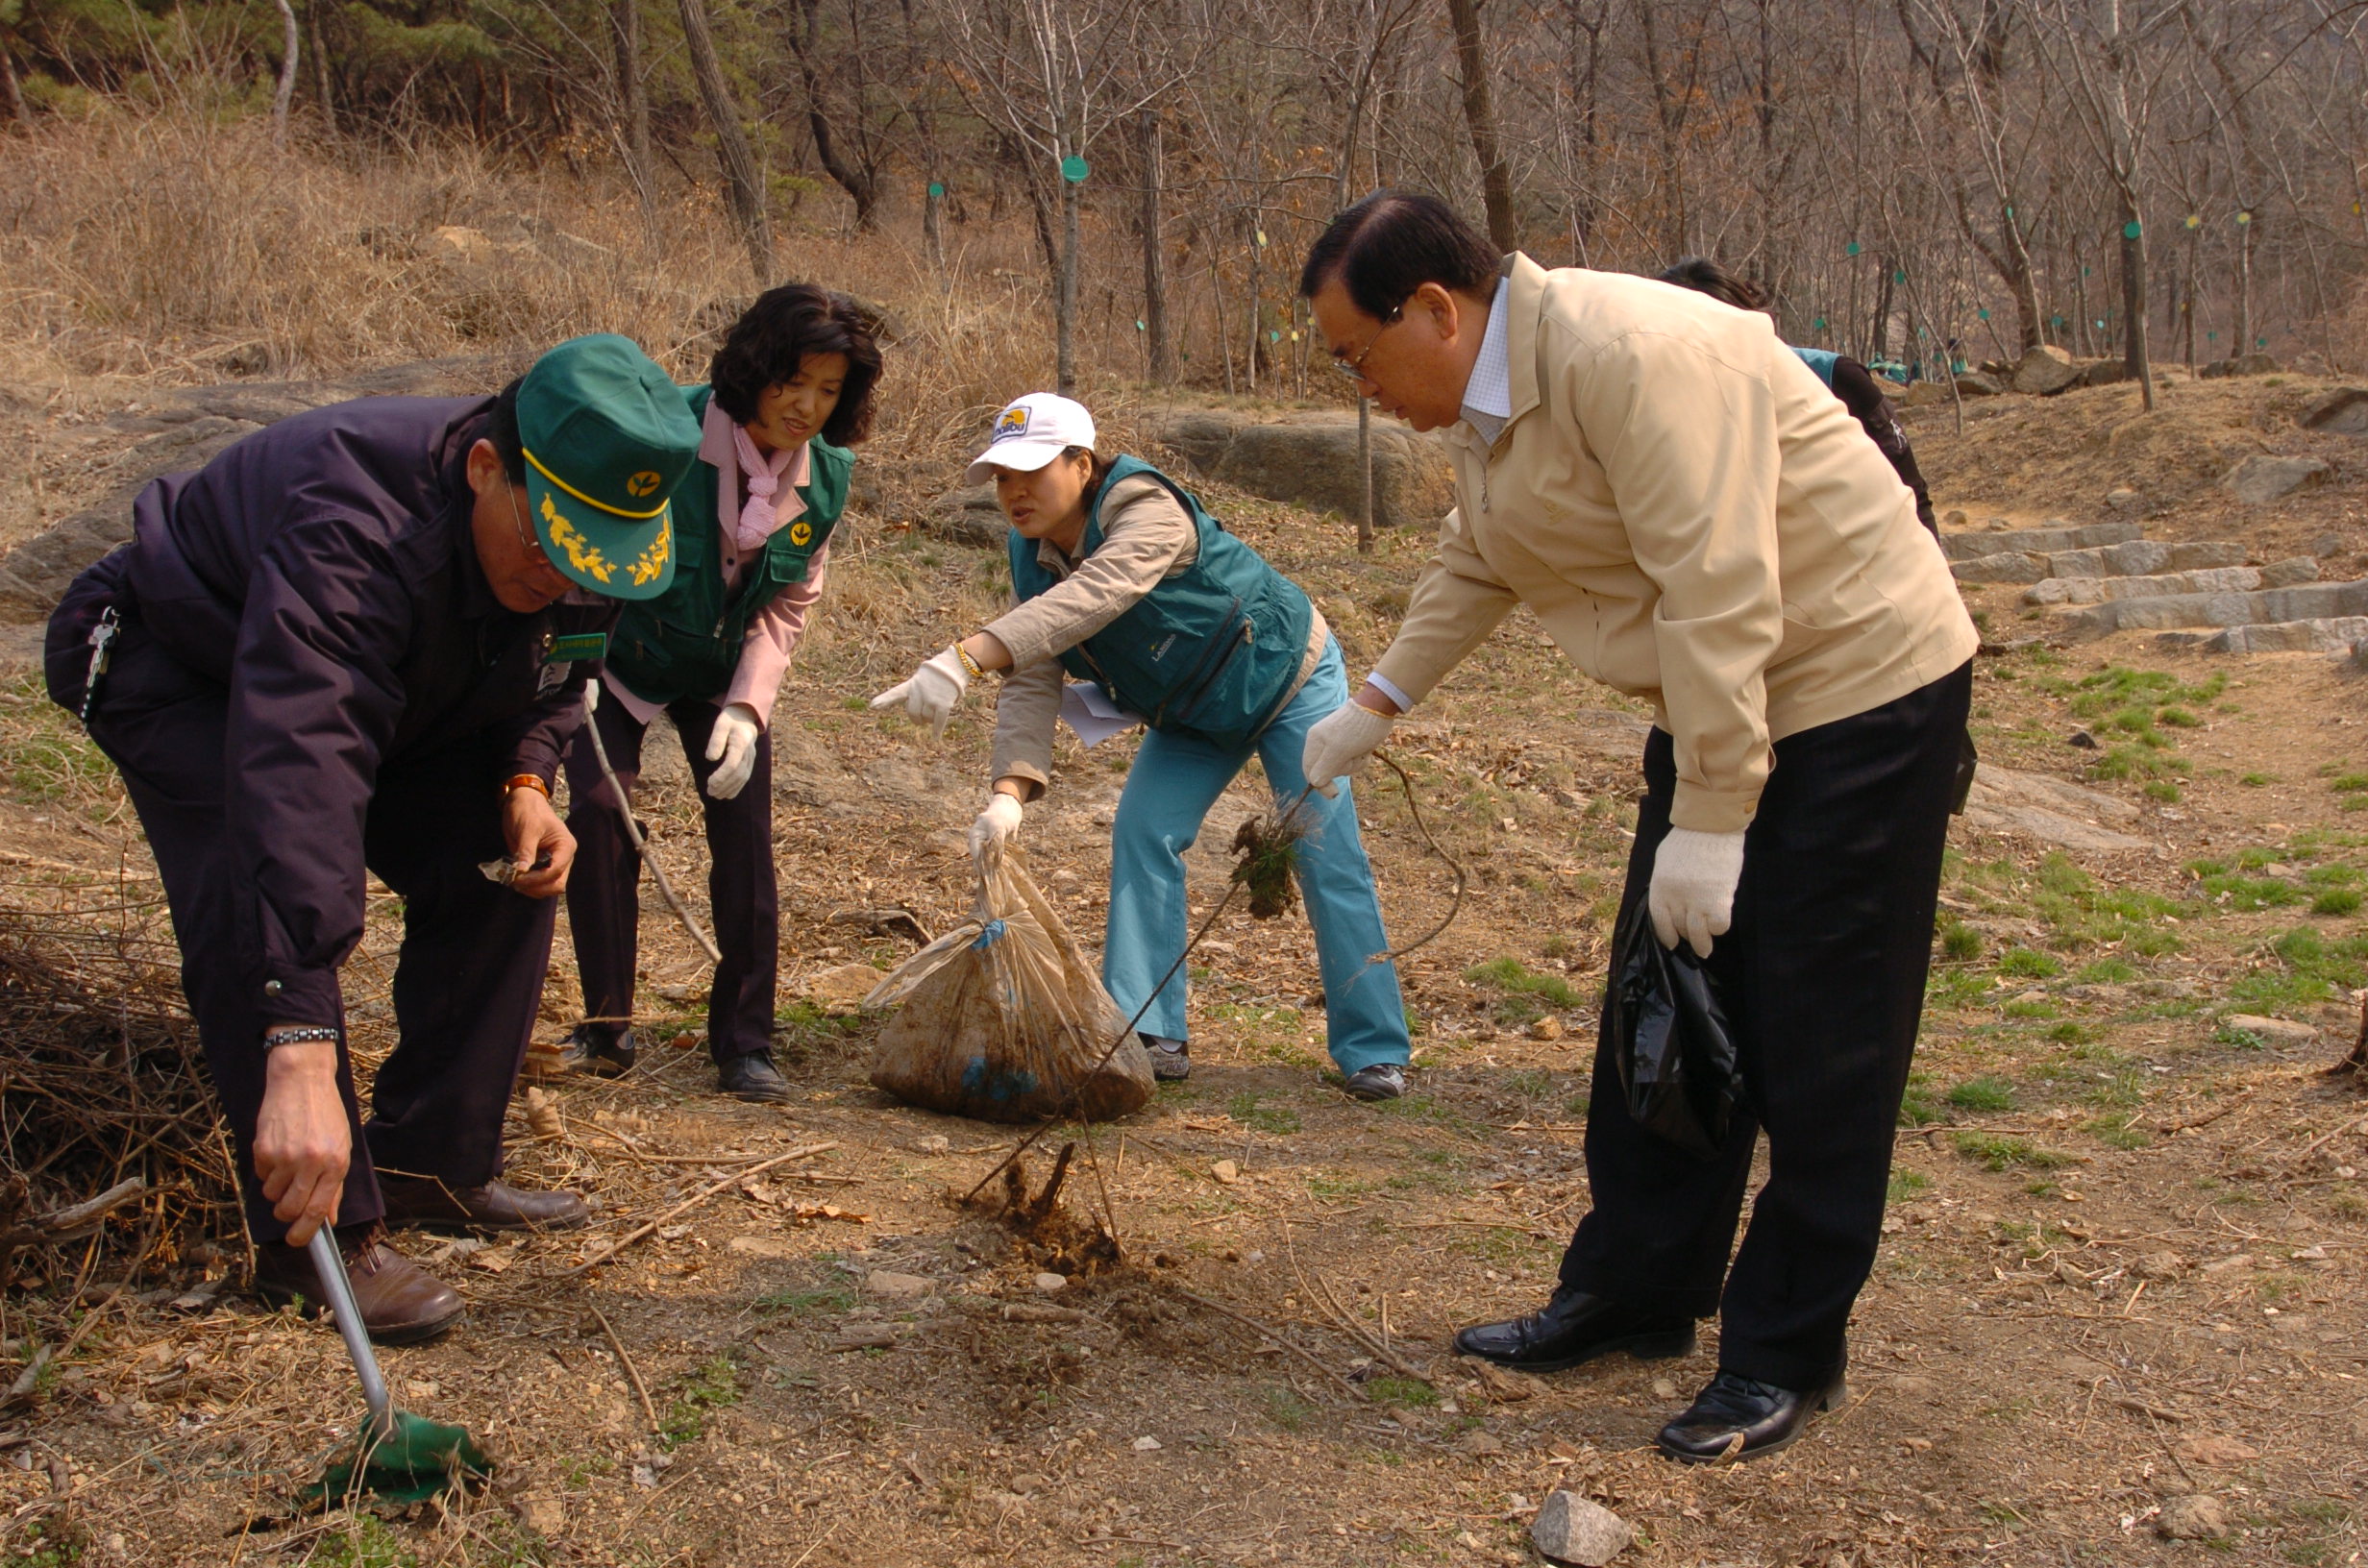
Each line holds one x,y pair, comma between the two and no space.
1739,1418
601,1057
1575,1327
753,1077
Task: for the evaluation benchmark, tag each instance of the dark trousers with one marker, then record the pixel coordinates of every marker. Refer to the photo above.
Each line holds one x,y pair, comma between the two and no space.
469,976
1824,973
604,894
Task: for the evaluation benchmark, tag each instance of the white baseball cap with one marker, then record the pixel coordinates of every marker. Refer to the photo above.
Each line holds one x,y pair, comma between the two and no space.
1030,434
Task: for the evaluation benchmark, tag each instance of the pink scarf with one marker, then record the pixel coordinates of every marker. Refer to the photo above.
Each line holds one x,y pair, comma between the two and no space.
763,475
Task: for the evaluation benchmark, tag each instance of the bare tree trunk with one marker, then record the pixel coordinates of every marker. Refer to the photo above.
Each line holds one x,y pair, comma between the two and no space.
862,184
1065,327
1480,115
741,181
933,216
1154,255
11,95
2135,358
1880,335
634,103
285,92
320,68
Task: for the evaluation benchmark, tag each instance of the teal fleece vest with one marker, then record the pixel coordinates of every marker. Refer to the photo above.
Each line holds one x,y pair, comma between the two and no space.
1820,360
1213,651
686,642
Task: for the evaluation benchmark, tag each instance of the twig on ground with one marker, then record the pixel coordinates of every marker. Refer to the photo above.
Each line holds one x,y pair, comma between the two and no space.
1268,1334
649,1227
633,1373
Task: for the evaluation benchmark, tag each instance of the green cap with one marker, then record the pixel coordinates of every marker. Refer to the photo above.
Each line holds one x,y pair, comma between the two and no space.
607,437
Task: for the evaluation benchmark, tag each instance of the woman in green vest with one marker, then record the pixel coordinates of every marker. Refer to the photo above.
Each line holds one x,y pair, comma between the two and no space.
788,393
1131,590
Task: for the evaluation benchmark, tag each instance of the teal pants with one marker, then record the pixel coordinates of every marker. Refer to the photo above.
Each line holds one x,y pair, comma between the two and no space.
1175,780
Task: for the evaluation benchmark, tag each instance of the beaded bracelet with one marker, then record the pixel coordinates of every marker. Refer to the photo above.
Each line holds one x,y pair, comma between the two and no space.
274,1038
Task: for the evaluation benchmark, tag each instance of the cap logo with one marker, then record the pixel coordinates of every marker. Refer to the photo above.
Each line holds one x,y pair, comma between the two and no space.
652,560
1013,423
801,532
643,483
581,553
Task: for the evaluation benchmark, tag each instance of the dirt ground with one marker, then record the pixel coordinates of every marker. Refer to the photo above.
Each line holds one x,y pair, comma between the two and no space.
2123,1267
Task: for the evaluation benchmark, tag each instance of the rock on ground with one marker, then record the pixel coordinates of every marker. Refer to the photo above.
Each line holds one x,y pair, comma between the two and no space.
2197,1517
2048,810
1571,1529
2243,364
2320,635
2055,536
1310,460
2343,411
2262,478
2140,557
2002,565
2273,1031
1979,384
2045,369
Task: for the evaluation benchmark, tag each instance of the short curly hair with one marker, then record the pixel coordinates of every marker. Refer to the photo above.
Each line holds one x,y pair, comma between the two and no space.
771,339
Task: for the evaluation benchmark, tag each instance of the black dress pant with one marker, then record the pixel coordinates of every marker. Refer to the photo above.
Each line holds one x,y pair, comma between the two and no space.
603,897
469,976
1824,973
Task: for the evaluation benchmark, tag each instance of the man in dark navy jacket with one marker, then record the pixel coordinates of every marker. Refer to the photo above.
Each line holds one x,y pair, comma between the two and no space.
356,641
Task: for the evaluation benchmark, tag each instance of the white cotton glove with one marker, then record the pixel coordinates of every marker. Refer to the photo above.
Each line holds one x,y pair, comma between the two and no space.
1692,893
732,746
994,829
931,693
1340,743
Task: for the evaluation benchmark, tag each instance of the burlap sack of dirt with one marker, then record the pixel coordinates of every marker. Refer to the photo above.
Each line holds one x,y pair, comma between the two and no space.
1005,1019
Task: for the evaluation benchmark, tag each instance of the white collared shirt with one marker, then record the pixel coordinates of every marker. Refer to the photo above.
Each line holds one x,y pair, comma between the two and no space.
1488,403
1488,396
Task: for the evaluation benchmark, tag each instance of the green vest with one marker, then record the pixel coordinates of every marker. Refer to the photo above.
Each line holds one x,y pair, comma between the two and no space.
686,642
1214,650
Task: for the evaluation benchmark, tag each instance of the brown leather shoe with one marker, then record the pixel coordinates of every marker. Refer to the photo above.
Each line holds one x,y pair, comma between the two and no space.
425,1201
402,1303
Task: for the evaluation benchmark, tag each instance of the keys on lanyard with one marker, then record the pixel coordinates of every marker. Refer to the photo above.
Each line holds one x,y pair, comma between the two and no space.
102,648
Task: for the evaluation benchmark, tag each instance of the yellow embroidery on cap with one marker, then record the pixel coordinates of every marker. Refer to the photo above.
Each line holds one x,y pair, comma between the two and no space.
1013,423
652,560
800,532
583,555
643,483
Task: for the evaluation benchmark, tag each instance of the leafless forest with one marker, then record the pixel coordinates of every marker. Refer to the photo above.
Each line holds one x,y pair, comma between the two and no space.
1920,181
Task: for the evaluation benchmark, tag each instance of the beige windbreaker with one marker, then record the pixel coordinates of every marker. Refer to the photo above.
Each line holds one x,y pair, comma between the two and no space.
1696,521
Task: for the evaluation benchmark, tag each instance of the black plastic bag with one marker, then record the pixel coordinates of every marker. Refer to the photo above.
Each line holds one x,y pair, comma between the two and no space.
1669,1032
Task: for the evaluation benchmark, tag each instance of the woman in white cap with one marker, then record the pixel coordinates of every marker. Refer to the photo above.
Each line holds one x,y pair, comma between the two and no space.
1124,583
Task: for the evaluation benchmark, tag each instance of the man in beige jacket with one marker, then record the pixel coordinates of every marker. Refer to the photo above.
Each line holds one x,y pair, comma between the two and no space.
1696,521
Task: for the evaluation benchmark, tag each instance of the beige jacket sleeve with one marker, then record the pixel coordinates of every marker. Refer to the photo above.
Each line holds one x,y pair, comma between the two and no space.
1147,537
1456,602
1688,443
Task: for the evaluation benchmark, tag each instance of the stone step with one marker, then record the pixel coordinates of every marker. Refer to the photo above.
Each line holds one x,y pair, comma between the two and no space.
2333,634
2222,579
2140,557
2311,602
1967,547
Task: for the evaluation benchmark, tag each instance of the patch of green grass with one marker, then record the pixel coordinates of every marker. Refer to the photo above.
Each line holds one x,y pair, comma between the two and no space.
1960,942
2040,1008
2308,968
1997,1152
2028,963
1527,995
1906,1184
1405,1394
2161,790
799,1305
366,1542
1245,1108
1277,1034
714,1386
2119,1132
1530,1084
1287,1410
1917,1107
2347,783
2332,874
1986,1094
2106,972
2335,902
2256,780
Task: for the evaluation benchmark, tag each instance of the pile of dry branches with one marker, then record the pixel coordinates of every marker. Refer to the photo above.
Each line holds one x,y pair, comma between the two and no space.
108,1137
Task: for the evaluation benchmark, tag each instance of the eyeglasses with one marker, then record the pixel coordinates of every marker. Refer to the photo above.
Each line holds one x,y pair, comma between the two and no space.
1354,369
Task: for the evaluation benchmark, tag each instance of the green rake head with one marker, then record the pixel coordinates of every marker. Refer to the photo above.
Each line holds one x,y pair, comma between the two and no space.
417,1459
